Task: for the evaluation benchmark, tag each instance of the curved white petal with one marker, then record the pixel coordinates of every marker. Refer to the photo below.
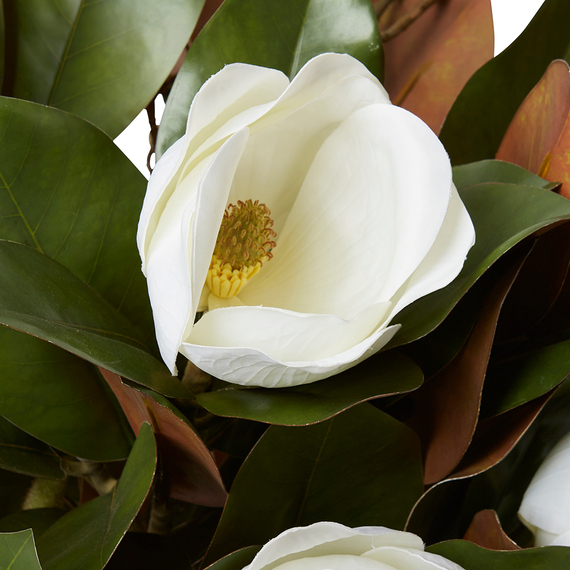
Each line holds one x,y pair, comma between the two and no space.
229,101
399,558
325,538
285,334
333,562
445,258
369,209
546,502
174,284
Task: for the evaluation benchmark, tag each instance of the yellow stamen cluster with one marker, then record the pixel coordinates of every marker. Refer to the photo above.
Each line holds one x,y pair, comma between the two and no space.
244,244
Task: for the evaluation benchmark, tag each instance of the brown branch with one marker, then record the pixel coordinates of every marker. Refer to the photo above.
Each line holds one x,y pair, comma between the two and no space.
153,133
405,21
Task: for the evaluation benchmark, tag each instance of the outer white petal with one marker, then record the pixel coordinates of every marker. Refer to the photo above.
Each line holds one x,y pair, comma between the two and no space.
445,258
253,367
321,539
239,94
546,503
334,562
368,211
561,540
171,278
404,558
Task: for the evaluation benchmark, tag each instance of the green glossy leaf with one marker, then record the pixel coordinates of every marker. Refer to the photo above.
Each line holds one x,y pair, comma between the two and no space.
495,171
41,297
503,215
18,551
270,33
517,380
236,560
25,454
359,468
69,192
101,60
86,537
481,114
39,520
473,557
60,399
385,374
2,43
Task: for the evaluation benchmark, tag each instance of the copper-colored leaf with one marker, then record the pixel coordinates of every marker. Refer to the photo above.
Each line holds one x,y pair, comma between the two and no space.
447,406
190,468
486,531
428,64
557,167
496,436
538,123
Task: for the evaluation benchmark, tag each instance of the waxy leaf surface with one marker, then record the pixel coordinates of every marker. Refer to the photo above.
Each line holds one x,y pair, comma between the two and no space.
18,551
383,375
485,530
481,114
270,33
96,59
360,468
187,463
41,297
87,536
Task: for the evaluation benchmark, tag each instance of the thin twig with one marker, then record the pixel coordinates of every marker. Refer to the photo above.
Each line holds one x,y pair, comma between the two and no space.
405,21
153,133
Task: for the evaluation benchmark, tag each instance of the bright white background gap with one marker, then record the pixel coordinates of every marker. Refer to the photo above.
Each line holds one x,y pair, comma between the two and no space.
510,18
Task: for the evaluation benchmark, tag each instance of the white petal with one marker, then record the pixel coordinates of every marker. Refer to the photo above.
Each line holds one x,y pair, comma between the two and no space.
279,155
562,540
446,257
368,211
546,503
333,562
174,284
407,559
269,349
324,538
229,101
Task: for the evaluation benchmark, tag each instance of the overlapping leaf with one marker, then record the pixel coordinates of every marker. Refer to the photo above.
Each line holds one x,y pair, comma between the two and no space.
485,530
428,63
359,468
383,375
188,465
96,59
270,33
18,551
87,536
481,114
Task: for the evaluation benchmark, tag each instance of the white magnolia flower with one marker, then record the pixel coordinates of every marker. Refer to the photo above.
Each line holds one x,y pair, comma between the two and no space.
545,508
365,220
332,546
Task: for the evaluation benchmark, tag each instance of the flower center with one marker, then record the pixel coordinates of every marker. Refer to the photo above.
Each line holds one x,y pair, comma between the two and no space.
244,244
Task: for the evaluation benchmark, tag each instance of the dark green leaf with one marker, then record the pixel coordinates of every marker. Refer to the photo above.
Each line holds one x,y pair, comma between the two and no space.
60,399
359,468
520,379
495,171
39,520
69,192
270,33
473,557
101,60
503,215
18,551
41,297
481,114
25,454
87,536
236,560
385,374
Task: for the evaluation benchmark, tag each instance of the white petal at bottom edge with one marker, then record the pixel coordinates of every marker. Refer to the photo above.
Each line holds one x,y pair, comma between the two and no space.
325,538
396,557
253,367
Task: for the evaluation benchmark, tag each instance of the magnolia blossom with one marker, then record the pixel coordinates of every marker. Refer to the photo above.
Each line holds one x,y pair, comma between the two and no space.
299,217
332,546
545,508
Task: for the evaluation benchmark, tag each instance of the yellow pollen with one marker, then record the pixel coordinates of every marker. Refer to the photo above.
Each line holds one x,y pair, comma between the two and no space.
244,244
